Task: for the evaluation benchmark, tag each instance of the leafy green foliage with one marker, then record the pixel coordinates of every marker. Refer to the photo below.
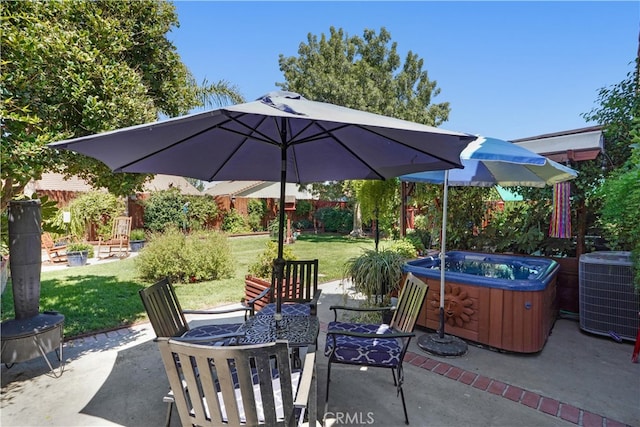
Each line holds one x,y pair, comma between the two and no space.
465,213
420,238
264,264
170,208
137,234
621,197
375,274
379,200
366,73
335,219
202,211
165,209
233,222
93,208
405,247
256,209
80,247
203,255
304,207
73,68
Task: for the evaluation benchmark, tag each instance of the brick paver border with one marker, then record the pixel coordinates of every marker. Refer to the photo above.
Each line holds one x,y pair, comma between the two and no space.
547,405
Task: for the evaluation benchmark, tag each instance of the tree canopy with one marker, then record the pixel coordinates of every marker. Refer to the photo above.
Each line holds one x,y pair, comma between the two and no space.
365,73
74,68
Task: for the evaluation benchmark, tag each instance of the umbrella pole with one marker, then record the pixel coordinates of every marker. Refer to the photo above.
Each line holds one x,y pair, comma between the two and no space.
443,248
439,343
278,263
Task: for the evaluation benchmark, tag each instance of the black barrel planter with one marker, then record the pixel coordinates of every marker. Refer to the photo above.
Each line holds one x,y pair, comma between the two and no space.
25,256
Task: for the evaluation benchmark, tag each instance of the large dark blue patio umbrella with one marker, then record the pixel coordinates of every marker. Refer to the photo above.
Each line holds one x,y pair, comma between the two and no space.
280,137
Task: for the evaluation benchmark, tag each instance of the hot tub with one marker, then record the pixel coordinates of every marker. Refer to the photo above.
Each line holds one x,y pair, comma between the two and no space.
504,301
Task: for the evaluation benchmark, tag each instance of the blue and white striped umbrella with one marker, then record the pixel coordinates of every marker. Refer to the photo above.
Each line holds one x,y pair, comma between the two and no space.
491,161
488,162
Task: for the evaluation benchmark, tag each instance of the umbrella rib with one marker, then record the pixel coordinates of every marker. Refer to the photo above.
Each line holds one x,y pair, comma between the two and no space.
246,137
253,131
126,165
361,160
409,146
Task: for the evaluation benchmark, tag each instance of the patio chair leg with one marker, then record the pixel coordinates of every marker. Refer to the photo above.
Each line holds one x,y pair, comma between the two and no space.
393,372
404,406
169,410
326,396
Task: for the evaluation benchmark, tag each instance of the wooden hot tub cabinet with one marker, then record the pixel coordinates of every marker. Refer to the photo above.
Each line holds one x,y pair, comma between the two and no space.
506,319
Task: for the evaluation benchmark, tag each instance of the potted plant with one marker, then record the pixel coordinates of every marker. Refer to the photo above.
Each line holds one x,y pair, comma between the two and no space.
377,275
78,253
137,239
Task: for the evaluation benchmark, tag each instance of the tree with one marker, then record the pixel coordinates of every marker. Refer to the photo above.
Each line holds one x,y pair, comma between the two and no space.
364,73
378,201
73,68
617,111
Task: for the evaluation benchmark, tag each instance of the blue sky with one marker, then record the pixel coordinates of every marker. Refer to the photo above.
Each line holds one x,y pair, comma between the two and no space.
508,69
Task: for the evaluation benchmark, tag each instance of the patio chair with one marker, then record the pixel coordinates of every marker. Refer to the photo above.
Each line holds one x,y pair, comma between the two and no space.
239,385
118,243
168,318
300,293
377,345
56,252
168,321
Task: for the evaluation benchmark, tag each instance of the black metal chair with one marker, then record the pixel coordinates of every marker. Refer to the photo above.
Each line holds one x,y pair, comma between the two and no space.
377,345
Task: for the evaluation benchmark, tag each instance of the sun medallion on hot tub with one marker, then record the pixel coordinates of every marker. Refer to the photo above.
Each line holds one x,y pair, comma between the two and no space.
457,305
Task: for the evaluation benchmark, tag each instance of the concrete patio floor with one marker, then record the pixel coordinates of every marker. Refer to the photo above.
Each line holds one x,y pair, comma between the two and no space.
117,378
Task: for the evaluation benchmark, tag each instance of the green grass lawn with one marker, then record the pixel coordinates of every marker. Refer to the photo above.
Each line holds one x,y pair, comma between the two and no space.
101,297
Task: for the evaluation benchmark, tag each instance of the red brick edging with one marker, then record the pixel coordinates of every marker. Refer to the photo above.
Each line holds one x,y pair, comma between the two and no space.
533,400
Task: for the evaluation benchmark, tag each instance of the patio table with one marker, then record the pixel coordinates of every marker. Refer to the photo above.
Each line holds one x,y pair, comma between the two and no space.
300,331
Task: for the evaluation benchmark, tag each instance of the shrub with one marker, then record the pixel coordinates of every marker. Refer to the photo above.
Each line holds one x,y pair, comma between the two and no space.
233,223
264,264
256,209
201,212
95,207
303,224
303,208
165,209
404,247
335,219
203,255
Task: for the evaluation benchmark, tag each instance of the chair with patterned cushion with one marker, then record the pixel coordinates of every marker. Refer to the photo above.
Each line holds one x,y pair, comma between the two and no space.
377,345
237,385
168,319
300,294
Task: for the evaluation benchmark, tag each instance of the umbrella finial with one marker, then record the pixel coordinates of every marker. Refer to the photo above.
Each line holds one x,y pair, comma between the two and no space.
270,100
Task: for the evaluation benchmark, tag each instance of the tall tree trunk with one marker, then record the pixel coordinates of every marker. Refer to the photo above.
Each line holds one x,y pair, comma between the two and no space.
357,221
